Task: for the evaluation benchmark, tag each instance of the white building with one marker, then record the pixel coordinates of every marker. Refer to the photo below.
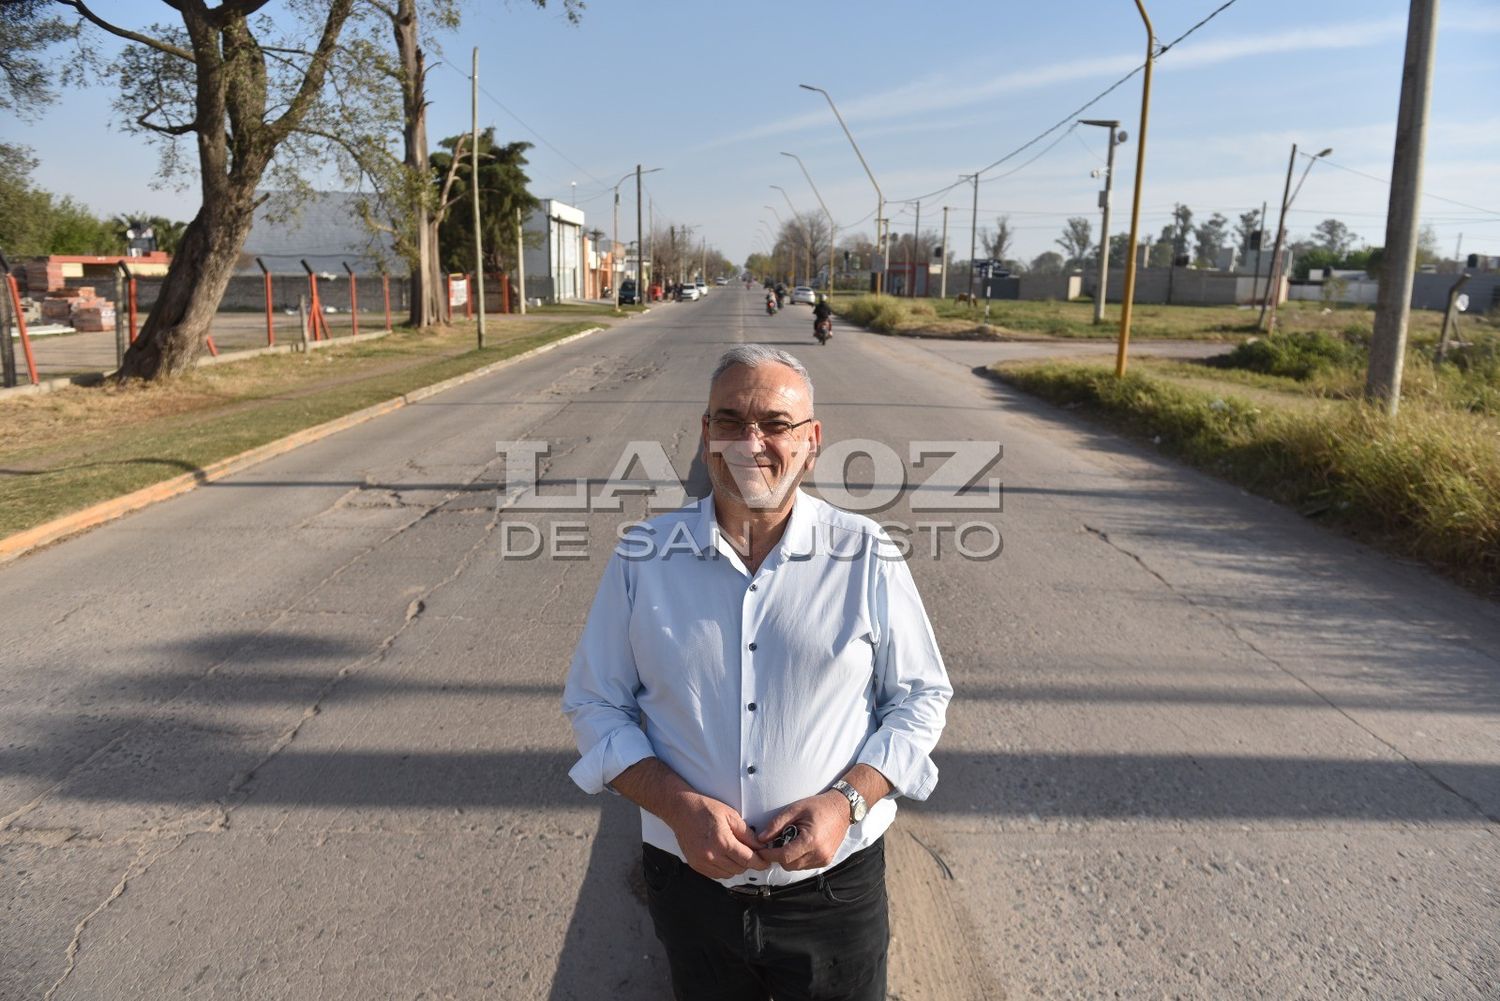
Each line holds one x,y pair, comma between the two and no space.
555,252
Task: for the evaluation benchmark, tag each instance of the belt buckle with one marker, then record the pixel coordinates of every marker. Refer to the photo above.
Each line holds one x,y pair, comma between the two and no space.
745,890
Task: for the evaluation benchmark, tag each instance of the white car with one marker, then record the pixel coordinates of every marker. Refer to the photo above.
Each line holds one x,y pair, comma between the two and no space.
702,288
721,281
690,293
802,295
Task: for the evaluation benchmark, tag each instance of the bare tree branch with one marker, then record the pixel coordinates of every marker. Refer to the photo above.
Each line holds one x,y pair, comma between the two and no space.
133,36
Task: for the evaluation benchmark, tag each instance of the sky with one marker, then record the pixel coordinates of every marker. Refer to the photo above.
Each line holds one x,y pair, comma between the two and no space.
708,93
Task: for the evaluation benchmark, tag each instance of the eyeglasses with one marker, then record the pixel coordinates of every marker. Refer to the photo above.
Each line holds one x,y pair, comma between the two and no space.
733,427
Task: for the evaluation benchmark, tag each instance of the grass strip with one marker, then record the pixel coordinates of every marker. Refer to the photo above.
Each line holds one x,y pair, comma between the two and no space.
1425,485
68,450
889,314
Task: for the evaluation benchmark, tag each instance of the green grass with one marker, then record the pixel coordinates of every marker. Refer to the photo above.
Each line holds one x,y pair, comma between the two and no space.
1425,485
80,446
1048,319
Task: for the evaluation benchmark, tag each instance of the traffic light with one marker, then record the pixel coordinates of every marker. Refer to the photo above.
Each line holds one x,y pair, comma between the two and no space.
1255,238
1473,261
937,253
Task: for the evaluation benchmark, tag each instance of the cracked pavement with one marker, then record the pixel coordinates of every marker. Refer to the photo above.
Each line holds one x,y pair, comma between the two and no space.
296,734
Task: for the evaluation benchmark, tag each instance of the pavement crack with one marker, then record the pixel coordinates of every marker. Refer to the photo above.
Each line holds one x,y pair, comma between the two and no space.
146,856
1234,630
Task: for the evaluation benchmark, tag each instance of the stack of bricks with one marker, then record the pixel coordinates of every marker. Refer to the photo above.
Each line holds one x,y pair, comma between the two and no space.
42,276
79,308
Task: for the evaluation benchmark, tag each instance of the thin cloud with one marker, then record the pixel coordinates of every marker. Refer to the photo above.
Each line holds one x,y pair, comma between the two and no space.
948,92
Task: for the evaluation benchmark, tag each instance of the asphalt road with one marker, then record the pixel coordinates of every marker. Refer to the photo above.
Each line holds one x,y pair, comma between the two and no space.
296,734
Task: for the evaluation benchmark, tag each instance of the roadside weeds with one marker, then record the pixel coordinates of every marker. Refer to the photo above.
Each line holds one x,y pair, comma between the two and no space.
1425,486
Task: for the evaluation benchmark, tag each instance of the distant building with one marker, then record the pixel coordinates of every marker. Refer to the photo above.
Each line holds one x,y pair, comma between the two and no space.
557,255
325,230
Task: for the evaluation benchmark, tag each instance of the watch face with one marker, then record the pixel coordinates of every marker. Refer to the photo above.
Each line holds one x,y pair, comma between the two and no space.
859,810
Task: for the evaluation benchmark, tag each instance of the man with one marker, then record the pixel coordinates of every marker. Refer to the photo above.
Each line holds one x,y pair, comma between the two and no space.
759,676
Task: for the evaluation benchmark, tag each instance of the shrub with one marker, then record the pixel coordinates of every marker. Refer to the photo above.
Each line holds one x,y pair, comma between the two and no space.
1300,355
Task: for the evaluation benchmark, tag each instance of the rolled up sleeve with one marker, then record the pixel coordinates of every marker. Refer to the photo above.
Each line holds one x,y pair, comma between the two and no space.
599,698
912,688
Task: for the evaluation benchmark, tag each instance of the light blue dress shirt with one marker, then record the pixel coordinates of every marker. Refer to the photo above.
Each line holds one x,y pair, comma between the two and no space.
759,690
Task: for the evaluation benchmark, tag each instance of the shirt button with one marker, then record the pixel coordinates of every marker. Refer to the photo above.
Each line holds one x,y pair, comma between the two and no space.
752,646
752,707
750,770
752,879
754,587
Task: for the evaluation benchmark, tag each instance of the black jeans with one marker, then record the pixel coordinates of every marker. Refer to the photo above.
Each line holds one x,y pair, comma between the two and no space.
822,939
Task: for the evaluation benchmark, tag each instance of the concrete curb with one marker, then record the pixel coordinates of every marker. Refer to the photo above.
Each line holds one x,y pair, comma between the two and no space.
14,546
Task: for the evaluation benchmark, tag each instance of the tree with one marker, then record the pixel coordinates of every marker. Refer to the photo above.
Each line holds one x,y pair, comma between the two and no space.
1077,242
1175,234
1334,237
35,222
382,92
1245,229
997,242
1427,246
1119,250
1048,262
28,28
213,79
1211,238
502,194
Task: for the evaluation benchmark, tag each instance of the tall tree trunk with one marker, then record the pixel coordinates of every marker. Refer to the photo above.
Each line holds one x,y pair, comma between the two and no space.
423,311
173,335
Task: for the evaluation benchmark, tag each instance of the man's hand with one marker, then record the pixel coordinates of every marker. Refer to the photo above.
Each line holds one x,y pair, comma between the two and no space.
715,839
822,822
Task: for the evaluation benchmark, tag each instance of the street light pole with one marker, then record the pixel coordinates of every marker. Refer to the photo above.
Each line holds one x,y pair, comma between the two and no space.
832,228
973,234
1278,264
1127,299
943,288
474,183
614,239
879,198
1109,177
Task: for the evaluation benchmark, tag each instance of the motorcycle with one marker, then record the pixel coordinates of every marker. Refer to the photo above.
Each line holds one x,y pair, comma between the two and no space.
770,306
823,330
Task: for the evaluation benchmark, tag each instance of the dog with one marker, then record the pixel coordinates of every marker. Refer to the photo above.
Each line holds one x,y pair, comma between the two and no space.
963,297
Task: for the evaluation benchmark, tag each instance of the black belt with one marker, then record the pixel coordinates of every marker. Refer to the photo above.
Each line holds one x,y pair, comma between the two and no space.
764,892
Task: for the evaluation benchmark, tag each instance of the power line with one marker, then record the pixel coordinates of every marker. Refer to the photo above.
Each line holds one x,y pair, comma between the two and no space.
1386,182
1084,107
540,138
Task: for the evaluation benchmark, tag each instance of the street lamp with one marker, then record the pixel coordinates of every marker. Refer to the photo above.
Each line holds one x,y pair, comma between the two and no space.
1288,195
1115,138
879,198
614,240
832,229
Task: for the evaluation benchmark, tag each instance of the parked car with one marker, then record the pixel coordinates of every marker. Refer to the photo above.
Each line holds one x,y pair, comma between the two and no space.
701,287
627,292
690,292
804,295
721,281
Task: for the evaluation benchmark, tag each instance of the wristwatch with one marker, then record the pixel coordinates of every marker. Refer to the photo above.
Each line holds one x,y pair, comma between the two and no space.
857,806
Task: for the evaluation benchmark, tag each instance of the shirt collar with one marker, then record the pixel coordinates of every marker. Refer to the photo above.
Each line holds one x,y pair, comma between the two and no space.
797,539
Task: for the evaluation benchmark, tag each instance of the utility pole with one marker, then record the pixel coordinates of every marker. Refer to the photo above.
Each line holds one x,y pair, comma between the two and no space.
916,248
1393,308
1273,280
973,235
640,246
474,184
1115,138
943,293
1259,244
521,258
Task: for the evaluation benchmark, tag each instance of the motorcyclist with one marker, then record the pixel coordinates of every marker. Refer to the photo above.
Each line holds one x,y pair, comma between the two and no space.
822,311
771,302
780,294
